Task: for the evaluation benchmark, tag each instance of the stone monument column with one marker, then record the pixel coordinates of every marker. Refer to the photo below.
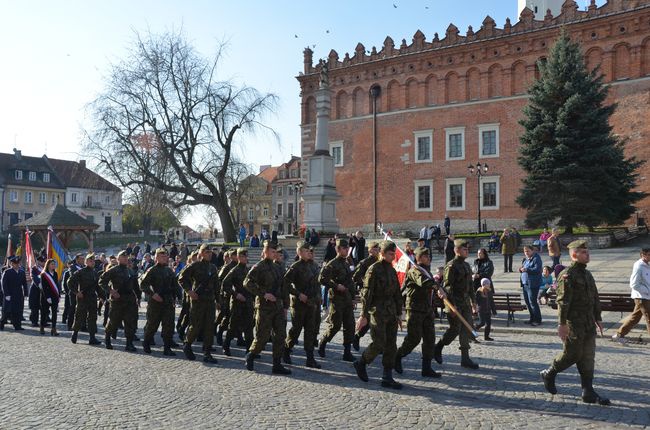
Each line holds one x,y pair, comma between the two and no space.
320,194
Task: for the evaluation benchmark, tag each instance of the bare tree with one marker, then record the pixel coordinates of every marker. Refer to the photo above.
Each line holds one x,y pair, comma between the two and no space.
166,122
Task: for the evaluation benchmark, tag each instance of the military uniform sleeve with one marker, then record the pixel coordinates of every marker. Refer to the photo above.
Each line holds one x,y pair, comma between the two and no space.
597,311
104,279
251,283
360,271
420,281
185,277
327,275
228,283
290,279
450,278
146,281
73,283
368,291
564,296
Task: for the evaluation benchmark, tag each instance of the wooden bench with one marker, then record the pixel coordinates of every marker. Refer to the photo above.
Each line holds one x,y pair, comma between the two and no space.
509,302
610,302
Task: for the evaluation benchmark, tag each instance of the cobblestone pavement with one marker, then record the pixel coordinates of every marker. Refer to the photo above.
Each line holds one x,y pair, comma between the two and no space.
50,383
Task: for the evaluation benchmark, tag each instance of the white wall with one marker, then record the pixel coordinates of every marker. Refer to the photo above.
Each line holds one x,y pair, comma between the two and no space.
542,6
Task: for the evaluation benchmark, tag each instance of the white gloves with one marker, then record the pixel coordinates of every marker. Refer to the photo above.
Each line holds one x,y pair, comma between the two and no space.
8,298
49,301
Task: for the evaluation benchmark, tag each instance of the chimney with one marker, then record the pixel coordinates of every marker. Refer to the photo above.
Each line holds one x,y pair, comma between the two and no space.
18,154
82,163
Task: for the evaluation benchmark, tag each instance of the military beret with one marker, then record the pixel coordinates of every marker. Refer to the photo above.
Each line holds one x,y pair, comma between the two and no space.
14,259
373,244
204,247
303,245
577,244
270,244
242,251
343,243
161,251
387,245
461,243
90,256
122,254
421,251
40,259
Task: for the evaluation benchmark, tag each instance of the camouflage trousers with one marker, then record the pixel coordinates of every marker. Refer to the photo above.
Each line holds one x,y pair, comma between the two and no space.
579,350
123,311
269,321
457,329
86,314
241,319
419,327
341,315
383,332
201,320
302,316
157,314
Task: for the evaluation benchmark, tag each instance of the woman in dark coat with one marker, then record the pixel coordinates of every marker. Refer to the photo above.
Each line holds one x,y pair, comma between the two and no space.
14,288
50,294
484,268
449,249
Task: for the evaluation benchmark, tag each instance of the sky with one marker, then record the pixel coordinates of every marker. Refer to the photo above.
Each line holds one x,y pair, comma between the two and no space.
57,55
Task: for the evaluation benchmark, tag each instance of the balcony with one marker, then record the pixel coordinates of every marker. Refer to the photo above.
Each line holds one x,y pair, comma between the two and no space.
93,205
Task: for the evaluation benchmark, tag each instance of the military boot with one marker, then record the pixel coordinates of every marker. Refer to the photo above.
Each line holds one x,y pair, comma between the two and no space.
93,340
321,348
130,347
548,376
311,362
347,353
187,350
355,342
398,363
286,356
42,329
467,362
589,395
54,332
226,345
241,341
437,352
168,351
360,367
208,358
278,368
220,336
250,360
387,380
427,370
75,334
146,346
107,342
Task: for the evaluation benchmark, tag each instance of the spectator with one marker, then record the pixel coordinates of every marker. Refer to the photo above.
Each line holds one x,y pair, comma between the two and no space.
314,238
179,264
531,281
484,269
449,248
136,250
255,241
264,236
493,244
424,234
547,285
640,285
307,235
129,249
173,252
517,236
483,294
359,244
447,224
242,235
543,239
508,249
147,247
183,251
436,235
147,263
554,250
408,250
330,250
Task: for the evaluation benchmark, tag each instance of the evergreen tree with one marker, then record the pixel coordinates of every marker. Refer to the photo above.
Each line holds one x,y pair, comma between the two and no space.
577,172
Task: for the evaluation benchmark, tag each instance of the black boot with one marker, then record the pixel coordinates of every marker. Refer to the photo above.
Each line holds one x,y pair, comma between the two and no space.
347,353
130,347
387,380
187,350
589,395
173,344
146,347
321,348
398,363
208,358
360,367
168,351
278,368
93,340
250,359
427,371
107,342
226,345
219,336
467,362
311,362
241,341
355,341
437,352
548,376
286,356
73,339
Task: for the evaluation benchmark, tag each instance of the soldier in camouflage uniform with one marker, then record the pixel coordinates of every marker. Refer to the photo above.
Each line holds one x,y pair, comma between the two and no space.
199,280
241,302
265,281
121,285
315,268
184,315
337,278
223,296
302,283
578,308
418,288
159,284
357,277
381,308
458,286
83,284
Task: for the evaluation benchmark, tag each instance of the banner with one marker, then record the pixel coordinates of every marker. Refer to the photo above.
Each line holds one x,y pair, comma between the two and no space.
10,250
401,263
55,251
30,261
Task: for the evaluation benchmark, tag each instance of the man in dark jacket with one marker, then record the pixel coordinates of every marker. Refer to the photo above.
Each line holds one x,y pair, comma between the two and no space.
14,288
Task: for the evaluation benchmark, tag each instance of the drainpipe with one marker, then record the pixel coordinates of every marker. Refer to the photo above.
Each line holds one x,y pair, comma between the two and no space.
375,91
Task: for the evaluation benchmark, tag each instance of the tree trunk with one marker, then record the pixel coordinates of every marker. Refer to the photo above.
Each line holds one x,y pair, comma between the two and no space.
227,226
146,223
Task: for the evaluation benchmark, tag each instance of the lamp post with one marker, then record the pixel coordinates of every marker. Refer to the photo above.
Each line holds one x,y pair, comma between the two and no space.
479,171
297,188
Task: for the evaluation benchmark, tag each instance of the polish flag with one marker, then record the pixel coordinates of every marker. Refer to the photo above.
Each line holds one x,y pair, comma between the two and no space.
401,263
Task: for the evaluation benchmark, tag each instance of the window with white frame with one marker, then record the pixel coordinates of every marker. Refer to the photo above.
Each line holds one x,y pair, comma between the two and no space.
488,140
42,198
423,146
490,192
283,174
279,212
251,214
290,213
73,197
456,194
13,196
336,150
19,175
280,190
46,177
107,199
294,173
455,143
423,190
265,211
32,176
290,189
28,196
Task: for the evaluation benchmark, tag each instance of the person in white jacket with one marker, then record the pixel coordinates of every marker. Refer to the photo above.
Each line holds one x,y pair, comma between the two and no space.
640,285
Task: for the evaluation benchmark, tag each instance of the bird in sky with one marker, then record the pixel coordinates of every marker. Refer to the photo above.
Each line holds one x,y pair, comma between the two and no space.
394,5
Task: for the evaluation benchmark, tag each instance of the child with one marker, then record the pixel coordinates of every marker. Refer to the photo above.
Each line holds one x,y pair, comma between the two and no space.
438,279
547,284
484,310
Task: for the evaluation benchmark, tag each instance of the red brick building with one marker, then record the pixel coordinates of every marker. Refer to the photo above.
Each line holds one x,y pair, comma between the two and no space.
452,101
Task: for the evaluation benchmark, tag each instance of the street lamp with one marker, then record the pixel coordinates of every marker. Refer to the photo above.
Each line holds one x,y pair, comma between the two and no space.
297,189
479,171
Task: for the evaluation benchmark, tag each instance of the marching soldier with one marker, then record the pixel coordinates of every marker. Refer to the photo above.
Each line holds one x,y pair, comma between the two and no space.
71,299
199,280
184,314
159,284
458,285
418,286
359,274
315,268
223,296
84,285
242,306
265,281
302,284
337,278
381,302
121,284
578,308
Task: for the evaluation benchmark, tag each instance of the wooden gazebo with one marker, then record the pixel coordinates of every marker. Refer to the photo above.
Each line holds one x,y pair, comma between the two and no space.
65,224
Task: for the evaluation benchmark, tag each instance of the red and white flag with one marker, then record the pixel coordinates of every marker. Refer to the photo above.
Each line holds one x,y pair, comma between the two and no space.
29,255
401,263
